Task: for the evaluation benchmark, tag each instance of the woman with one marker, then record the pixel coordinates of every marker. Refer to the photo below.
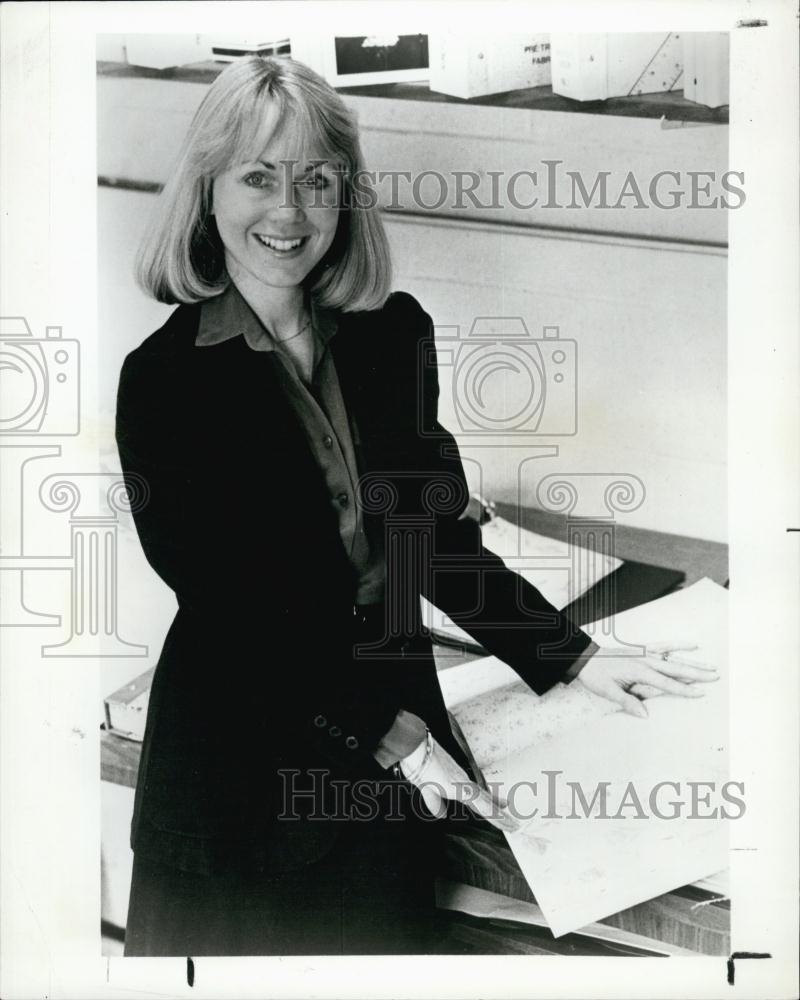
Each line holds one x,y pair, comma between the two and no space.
297,749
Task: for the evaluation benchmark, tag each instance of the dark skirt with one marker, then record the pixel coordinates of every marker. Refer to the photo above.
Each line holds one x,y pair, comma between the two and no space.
371,894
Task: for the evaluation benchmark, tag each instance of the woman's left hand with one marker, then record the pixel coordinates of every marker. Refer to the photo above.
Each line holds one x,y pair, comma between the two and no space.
614,674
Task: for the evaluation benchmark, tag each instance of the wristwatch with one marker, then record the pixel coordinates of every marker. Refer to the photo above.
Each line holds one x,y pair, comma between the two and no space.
416,769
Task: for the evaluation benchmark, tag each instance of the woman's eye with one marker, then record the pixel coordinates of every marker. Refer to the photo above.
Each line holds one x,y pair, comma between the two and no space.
257,180
316,181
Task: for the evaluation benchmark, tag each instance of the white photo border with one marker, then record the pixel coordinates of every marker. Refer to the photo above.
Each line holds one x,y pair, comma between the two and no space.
49,746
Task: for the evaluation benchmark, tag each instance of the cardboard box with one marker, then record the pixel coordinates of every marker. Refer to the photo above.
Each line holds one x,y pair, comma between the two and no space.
706,67
473,67
594,67
126,709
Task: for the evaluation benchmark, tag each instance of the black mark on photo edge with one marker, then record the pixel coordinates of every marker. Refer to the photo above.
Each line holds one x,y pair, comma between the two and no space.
740,954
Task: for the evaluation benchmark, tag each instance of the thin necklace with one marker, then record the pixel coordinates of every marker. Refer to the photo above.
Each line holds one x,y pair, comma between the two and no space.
303,328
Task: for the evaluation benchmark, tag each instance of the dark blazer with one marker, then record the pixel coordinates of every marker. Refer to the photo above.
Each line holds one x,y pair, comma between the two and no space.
256,673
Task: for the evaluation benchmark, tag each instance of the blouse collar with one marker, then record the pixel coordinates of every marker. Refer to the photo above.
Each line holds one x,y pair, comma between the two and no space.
229,315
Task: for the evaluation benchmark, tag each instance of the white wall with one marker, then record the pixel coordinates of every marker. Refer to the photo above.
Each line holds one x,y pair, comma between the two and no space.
650,330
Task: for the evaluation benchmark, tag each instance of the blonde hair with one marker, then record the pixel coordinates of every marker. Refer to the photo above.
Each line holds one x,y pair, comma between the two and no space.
181,258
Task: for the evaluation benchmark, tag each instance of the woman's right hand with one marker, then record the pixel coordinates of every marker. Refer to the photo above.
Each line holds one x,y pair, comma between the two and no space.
438,777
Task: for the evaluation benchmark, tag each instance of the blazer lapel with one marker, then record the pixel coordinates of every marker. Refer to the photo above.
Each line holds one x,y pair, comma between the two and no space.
240,387
356,372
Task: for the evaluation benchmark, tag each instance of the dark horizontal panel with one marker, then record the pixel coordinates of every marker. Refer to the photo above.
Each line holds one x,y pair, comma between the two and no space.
672,105
129,184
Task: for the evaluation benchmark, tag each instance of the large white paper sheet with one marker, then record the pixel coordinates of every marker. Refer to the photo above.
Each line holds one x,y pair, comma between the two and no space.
502,716
583,869
560,572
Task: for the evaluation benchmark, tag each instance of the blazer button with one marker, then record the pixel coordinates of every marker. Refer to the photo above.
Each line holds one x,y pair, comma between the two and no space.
320,722
335,731
343,499
351,742
328,441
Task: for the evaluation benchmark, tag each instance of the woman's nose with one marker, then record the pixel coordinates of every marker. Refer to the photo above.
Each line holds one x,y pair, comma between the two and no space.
288,203
286,212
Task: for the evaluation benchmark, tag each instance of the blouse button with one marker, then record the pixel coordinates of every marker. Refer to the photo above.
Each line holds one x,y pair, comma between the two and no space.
320,722
328,441
335,731
343,499
351,743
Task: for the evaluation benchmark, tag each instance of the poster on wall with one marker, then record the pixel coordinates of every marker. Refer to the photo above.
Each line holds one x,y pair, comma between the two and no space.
363,60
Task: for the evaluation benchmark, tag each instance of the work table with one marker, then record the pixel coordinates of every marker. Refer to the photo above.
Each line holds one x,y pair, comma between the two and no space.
490,907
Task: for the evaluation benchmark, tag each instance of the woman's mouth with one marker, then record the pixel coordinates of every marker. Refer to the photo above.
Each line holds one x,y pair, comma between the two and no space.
282,247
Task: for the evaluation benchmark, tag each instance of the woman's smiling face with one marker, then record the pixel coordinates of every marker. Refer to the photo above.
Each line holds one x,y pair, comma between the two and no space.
277,215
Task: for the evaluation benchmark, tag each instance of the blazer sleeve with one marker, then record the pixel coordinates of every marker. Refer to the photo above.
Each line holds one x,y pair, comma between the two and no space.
171,504
499,608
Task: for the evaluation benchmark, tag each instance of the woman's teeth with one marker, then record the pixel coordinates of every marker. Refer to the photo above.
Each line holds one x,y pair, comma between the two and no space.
281,245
